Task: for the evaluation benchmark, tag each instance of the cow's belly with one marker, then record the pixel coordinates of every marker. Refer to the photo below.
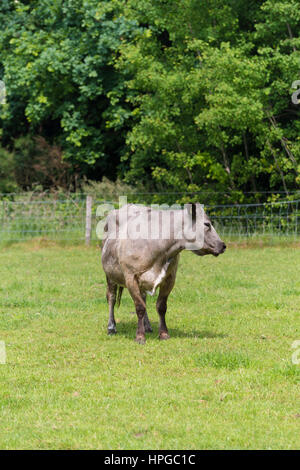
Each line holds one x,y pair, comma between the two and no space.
151,279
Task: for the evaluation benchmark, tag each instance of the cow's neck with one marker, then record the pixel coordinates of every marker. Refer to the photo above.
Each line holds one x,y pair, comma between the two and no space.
174,249
176,243
179,220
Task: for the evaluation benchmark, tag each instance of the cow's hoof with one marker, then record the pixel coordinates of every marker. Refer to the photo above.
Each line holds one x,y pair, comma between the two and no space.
164,336
140,339
111,331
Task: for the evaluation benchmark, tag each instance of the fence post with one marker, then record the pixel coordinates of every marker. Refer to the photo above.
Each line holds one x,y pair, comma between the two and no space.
88,220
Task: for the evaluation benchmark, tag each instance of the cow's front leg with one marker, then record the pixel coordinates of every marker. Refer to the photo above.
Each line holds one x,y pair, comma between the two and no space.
111,295
140,332
147,324
161,305
140,308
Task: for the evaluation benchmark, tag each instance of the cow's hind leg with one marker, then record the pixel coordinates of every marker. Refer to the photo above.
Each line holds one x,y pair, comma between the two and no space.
111,295
161,305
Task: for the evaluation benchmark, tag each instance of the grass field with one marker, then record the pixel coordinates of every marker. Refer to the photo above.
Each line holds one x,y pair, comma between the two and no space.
224,380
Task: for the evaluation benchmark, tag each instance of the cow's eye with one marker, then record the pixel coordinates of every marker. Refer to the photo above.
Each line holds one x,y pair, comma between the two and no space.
207,224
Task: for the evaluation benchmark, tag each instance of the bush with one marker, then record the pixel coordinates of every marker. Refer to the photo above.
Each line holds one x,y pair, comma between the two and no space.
38,162
8,183
108,190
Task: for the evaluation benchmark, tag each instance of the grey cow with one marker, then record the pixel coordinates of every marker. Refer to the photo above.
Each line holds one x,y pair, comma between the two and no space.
141,252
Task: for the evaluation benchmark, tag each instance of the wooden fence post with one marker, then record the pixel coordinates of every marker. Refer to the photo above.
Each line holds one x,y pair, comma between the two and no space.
88,220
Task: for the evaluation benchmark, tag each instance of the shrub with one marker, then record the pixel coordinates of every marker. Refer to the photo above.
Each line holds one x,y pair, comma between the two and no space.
8,183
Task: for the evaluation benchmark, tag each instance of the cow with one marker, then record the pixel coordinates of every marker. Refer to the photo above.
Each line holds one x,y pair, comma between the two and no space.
143,259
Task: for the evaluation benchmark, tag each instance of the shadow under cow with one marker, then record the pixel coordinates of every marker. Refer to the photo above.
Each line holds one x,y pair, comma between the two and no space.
128,328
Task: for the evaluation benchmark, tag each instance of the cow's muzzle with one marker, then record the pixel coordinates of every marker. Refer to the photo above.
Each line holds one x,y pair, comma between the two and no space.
221,249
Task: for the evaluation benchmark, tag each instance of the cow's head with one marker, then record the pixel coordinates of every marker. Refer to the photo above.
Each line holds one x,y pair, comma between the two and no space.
203,239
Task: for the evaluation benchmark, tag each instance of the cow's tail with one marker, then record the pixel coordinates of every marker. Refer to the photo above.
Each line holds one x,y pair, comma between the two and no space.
119,295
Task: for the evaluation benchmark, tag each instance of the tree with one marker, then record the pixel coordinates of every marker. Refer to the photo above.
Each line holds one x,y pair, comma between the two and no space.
205,96
176,96
57,57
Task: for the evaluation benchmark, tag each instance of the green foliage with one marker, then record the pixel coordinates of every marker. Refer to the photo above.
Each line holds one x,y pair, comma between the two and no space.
8,182
173,96
211,106
39,164
107,190
58,68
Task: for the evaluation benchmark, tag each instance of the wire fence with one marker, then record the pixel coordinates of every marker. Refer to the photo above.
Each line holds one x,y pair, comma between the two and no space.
61,219
73,219
275,219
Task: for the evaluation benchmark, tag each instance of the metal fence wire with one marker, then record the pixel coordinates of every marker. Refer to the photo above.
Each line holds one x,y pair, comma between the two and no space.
67,219
244,220
58,219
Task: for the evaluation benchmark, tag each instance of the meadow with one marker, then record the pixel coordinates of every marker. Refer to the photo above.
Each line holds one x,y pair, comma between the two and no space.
225,379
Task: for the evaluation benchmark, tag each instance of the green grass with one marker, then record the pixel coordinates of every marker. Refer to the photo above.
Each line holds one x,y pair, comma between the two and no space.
224,380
